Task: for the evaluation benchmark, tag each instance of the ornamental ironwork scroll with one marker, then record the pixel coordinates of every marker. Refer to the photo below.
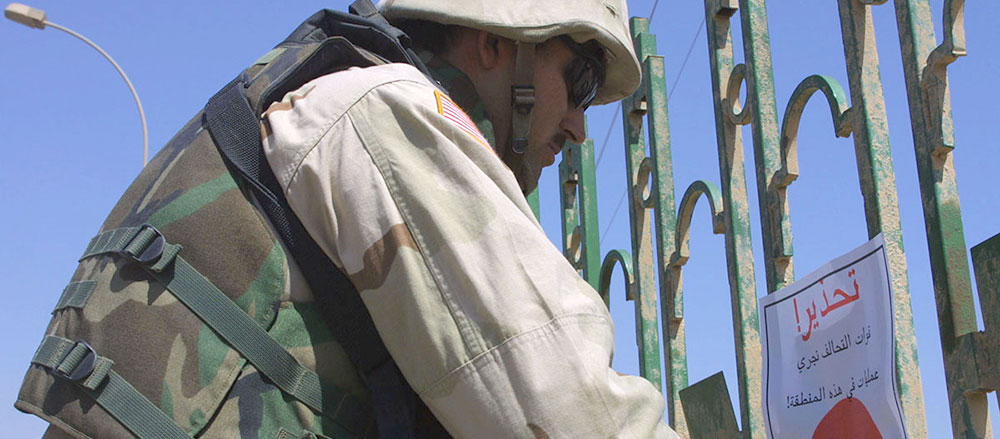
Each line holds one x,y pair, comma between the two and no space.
578,187
649,187
865,121
776,158
580,242
972,358
672,304
730,113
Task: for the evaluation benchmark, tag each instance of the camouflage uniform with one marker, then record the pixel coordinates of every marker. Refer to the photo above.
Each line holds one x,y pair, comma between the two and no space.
169,354
489,323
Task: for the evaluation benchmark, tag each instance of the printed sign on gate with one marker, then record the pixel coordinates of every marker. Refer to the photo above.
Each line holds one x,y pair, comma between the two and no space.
829,348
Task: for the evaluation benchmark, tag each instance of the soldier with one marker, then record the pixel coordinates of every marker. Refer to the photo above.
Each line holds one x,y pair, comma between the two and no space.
411,181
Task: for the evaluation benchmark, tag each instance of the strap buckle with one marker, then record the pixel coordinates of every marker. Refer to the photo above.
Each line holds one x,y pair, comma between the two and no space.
146,246
522,98
84,366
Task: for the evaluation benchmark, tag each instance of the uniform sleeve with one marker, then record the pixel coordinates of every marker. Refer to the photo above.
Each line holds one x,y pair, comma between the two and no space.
487,321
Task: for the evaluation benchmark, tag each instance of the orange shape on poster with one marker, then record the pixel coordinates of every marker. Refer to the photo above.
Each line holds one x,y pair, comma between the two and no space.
848,419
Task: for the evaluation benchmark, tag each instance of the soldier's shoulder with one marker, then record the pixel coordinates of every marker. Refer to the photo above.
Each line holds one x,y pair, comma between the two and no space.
304,115
392,81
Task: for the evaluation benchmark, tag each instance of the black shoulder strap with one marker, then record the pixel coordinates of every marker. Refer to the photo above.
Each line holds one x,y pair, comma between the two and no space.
365,27
235,128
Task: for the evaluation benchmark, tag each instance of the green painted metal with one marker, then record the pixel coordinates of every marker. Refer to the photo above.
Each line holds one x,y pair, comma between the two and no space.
980,351
868,123
621,258
762,111
651,187
734,215
673,301
578,196
640,199
972,358
533,203
709,400
925,67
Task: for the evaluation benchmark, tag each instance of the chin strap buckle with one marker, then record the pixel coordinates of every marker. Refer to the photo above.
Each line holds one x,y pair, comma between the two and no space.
522,101
522,96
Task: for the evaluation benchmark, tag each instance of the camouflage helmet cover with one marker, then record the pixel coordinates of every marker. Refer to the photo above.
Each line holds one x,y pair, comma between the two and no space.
536,21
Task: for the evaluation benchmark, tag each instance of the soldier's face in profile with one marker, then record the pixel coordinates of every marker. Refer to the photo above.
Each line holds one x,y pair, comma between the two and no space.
554,119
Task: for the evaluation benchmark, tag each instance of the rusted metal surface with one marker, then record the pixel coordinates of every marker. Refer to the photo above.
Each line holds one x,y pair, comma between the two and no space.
673,301
925,67
642,197
652,189
733,212
972,358
870,132
762,115
578,195
708,399
981,359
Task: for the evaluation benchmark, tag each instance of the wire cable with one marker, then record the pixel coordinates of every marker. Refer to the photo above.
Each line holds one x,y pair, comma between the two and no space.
610,223
652,11
608,135
686,58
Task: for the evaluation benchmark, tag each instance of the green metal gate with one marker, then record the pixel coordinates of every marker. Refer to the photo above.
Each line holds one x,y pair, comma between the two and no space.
660,224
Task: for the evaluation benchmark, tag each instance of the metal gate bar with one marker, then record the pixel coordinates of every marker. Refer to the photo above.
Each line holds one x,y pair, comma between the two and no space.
972,358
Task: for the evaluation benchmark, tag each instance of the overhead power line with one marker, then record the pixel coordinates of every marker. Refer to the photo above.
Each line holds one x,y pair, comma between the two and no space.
686,58
607,135
614,119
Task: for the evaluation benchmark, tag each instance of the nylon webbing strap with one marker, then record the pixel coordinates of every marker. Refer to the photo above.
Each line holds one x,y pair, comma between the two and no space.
237,328
365,8
368,10
77,361
111,240
75,295
522,96
236,130
144,244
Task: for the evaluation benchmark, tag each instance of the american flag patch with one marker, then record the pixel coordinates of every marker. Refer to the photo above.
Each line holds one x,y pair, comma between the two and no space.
454,113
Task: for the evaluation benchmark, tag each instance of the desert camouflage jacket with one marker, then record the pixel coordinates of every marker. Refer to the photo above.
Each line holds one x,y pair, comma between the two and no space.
488,322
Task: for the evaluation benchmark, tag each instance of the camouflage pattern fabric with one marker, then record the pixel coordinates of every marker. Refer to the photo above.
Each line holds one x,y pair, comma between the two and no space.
495,331
161,348
488,322
164,350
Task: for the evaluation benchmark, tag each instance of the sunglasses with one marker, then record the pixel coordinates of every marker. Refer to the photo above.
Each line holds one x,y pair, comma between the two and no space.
585,74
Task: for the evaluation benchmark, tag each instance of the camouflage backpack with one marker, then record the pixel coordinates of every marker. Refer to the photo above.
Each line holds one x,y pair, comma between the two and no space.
178,321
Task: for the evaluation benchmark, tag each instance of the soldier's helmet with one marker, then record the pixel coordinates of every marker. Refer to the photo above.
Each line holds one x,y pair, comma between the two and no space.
535,21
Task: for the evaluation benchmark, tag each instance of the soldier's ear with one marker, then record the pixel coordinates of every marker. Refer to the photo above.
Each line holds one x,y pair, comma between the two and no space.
489,49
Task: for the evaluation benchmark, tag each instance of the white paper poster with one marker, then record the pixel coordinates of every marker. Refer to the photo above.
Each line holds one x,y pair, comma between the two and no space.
829,344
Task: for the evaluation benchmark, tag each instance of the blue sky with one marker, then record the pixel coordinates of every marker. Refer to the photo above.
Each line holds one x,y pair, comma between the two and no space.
72,143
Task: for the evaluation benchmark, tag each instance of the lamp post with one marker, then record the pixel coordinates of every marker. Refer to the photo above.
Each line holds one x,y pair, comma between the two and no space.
35,18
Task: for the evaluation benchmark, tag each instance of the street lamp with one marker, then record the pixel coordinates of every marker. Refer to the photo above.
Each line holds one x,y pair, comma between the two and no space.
35,18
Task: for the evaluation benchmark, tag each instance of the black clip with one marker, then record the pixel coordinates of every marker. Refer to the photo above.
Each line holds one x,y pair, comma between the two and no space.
84,368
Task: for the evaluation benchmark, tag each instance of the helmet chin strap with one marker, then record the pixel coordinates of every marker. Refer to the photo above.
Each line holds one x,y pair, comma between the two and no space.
522,96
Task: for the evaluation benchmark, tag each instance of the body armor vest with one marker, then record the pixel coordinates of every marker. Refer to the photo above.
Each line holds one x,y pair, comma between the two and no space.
178,321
